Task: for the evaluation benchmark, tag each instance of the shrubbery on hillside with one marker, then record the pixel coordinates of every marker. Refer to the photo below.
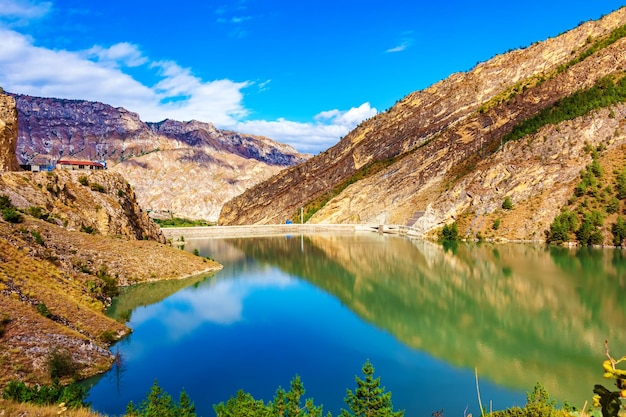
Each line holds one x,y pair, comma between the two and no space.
596,197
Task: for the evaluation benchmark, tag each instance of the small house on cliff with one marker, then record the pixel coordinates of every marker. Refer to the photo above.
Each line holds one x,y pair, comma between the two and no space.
82,165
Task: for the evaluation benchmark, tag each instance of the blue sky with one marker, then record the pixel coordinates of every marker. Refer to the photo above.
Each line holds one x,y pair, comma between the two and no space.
302,73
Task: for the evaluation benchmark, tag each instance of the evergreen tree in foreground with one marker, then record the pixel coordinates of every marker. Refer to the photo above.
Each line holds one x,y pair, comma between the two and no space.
369,399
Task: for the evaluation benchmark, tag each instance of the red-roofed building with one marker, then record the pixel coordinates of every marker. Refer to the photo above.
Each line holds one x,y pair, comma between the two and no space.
72,165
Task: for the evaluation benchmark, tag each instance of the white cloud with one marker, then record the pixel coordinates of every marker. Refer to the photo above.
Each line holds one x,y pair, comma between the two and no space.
21,11
119,54
314,137
405,42
28,69
98,74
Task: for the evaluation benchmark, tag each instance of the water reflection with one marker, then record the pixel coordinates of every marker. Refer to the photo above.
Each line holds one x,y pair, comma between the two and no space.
519,313
425,315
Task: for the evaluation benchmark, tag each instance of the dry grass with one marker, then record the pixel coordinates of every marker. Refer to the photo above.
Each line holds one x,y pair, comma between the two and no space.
61,274
12,409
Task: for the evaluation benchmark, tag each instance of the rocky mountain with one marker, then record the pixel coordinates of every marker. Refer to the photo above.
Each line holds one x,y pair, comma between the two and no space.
67,241
442,154
8,134
188,169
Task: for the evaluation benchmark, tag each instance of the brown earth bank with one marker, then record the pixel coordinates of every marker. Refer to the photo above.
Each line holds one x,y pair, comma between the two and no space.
56,280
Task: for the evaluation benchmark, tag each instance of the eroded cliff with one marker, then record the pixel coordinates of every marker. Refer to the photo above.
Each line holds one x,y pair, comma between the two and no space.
415,164
8,134
186,169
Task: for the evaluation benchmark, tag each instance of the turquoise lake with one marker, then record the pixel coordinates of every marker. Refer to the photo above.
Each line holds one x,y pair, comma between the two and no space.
425,315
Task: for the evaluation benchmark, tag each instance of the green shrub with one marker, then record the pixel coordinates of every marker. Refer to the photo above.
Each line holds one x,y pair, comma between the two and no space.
160,403
612,206
507,204
12,216
42,309
61,364
98,187
538,404
5,202
87,229
73,395
561,227
109,283
37,236
496,224
619,231
107,336
83,180
450,232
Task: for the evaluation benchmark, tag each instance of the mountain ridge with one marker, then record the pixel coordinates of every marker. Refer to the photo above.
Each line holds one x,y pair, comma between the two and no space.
438,135
158,159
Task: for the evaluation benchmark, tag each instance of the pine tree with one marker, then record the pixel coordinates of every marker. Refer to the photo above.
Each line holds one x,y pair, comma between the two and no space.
369,399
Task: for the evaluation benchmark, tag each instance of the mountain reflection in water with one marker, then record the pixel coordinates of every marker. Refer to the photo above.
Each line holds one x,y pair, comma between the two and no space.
425,315
521,314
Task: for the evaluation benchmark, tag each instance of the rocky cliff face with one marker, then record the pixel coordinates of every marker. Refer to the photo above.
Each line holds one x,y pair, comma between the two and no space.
8,134
98,202
410,165
188,169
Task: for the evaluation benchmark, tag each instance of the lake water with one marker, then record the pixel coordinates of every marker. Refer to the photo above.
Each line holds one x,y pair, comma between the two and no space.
426,317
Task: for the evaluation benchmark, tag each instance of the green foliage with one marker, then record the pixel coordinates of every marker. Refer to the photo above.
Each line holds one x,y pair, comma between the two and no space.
87,229
108,284
196,252
621,184
243,404
39,213
619,231
83,180
496,224
507,204
107,336
560,229
601,43
538,404
97,187
606,92
181,222
610,401
37,236
61,364
73,395
450,233
285,404
613,205
5,202
9,213
160,404
42,309
369,399
12,216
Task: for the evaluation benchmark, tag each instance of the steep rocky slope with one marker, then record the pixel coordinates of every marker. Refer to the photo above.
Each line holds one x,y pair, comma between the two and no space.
8,134
67,240
188,168
410,165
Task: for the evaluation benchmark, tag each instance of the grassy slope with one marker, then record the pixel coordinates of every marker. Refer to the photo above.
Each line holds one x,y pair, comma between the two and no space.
62,273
